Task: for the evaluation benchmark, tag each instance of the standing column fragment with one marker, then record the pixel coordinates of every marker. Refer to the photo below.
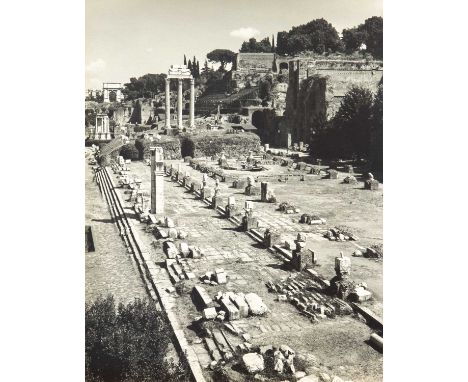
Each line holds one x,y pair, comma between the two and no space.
168,104
179,104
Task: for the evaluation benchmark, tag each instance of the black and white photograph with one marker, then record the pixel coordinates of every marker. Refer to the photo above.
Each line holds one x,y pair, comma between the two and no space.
226,160
234,191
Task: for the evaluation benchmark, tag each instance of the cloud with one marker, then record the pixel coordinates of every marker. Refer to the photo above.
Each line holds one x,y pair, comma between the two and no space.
244,32
96,66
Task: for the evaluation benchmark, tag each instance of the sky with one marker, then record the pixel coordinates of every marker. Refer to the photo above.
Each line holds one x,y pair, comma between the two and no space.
129,38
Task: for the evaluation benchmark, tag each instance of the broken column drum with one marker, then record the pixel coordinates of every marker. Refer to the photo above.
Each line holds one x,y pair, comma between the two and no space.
157,180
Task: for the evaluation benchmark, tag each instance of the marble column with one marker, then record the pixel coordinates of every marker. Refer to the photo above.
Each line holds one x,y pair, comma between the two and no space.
157,180
179,104
168,104
192,103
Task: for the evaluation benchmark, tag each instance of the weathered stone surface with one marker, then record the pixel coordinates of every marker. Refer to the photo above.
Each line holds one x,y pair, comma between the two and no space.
255,303
299,374
184,249
241,304
170,249
169,223
195,252
173,233
201,297
253,362
220,276
209,313
181,234
310,378
230,308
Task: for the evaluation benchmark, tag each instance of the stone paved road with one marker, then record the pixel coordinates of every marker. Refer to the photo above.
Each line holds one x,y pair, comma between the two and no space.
248,267
110,269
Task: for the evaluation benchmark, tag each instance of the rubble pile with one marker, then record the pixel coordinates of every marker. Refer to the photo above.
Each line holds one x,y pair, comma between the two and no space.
287,208
340,234
311,219
350,179
307,298
234,306
374,251
217,277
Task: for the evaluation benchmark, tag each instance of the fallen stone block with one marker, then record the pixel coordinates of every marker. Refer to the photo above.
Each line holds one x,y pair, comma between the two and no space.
255,303
241,304
230,309
195,252
172,233
209,313
201,297
309,378
253,363
170,249
184,249
371,184
220,276
169,223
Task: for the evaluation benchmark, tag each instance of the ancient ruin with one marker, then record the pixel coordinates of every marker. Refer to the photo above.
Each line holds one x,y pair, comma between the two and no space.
246,218
180,73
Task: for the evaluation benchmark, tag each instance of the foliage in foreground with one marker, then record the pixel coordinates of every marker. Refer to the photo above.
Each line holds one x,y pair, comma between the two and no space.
129,343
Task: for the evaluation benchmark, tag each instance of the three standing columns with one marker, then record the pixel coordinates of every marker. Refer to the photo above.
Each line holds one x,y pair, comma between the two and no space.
180,103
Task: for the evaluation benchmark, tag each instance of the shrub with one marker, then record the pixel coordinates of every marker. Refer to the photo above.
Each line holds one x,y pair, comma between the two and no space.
127,343
129,151
233,145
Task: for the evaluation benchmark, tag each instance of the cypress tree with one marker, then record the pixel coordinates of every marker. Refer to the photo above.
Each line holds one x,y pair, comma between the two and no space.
185,60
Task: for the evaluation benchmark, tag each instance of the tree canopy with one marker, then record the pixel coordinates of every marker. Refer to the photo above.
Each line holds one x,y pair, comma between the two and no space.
144,86
223,56
370,33
252,46
317,35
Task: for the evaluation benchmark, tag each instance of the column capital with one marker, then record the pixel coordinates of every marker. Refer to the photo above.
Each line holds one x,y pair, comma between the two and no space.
192,81
168,80
180,80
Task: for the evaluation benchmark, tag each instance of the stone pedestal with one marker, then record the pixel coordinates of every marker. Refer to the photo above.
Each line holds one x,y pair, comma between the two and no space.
217,201
303,259
271,238
232,210
206,193
249,222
